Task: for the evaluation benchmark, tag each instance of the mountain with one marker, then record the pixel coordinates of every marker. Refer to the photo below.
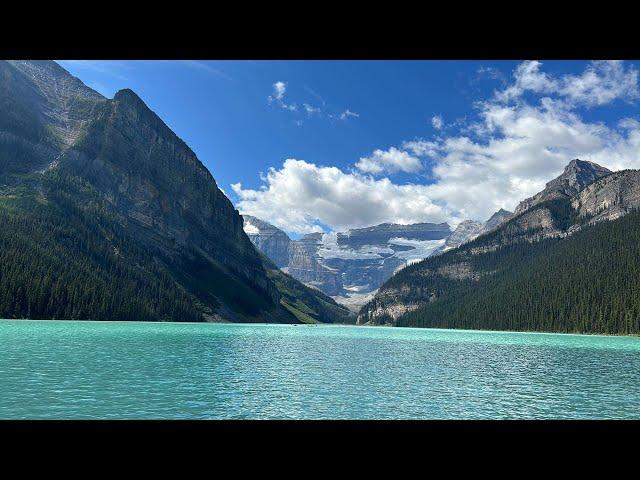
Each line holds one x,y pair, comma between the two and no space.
106,214
556,265
577,175
350,265
609,198
497,219
471,229
464,232
271,241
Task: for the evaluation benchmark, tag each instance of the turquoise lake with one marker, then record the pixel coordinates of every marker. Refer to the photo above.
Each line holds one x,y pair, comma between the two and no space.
111,370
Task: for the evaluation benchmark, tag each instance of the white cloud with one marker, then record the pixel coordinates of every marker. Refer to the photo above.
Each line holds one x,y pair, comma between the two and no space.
279,89
300,195
310,109
421,148
390,161
436,122
278,97
489,73
513,147
348,113
599,84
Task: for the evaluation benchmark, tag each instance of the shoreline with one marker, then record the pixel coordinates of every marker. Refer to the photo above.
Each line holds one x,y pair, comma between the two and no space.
227,323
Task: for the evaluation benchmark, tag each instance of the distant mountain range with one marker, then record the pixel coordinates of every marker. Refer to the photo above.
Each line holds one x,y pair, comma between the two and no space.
106,214
568,260
350,266
347,266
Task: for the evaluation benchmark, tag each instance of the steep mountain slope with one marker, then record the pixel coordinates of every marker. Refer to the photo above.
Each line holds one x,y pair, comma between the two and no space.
588,282
43,110
470,229
548,268
577,175
464,232
345,265
609,198
113,215
497,219
271,241
307,304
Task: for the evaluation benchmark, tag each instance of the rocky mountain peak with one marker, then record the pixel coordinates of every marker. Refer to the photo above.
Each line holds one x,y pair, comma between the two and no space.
465,231
496,220
129,96
576,175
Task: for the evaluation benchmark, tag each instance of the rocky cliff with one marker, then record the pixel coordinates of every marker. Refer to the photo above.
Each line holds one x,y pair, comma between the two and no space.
350,265
271,241
497,219
138,204
609,198
464,232
577,175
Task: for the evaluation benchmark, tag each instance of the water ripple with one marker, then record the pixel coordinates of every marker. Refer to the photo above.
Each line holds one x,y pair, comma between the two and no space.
59,369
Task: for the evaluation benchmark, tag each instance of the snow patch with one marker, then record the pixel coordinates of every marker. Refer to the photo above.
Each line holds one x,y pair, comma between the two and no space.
421,248
329,248
251,229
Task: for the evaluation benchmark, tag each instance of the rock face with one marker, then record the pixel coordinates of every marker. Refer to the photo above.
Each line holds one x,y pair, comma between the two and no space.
271,241
349,265
469,230
306,265
497,219
383,233
610,197
464,232
585,193
146,172
43,111
577,175
114,166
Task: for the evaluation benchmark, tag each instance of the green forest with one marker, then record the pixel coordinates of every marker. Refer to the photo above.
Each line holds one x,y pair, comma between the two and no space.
62,261
587,282
64,254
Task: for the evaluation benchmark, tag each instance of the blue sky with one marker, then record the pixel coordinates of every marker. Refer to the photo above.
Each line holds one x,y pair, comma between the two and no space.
353,143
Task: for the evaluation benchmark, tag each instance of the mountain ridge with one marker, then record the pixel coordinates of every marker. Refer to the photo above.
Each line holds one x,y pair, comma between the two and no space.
437,290
347,265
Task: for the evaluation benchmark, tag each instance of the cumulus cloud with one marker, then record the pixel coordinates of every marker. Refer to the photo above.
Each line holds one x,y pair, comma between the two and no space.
436,122
301,195
421,148
514,145
389,161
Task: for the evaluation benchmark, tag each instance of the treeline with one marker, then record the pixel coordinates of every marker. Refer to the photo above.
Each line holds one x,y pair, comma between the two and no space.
62,261
587,282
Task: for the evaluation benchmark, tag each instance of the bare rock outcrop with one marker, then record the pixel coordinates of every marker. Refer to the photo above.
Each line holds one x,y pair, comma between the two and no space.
610,197
577,174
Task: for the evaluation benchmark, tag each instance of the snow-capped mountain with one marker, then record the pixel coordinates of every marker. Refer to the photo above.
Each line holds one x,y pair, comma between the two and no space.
350,265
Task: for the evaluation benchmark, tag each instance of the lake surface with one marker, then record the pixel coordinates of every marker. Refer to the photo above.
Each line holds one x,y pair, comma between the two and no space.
61,369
